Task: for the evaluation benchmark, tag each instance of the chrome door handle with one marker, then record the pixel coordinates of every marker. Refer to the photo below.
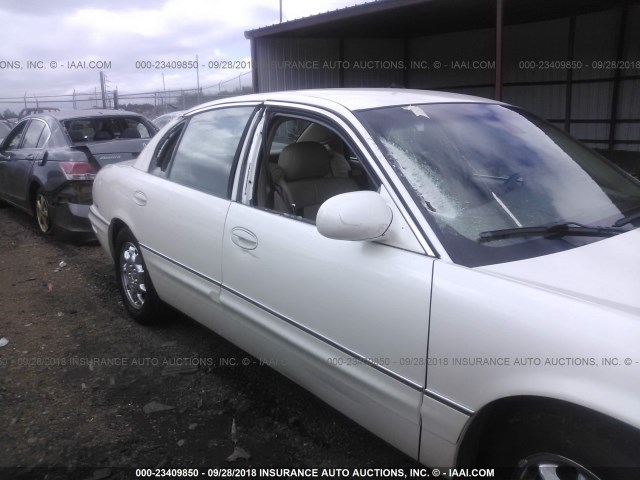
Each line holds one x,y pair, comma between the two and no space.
244,238
140,198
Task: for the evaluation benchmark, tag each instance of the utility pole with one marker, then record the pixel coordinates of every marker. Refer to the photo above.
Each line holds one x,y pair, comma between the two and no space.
198,77
104,98
164,95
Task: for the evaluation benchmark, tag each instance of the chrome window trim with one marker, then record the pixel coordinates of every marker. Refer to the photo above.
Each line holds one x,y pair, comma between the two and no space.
206,108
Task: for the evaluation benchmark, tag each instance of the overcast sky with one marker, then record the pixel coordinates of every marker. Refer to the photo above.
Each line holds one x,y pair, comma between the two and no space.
56,36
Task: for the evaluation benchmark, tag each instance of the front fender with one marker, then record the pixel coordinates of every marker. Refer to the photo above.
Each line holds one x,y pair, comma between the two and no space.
493,338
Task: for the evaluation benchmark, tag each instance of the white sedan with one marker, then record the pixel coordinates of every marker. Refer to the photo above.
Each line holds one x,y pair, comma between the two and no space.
454,274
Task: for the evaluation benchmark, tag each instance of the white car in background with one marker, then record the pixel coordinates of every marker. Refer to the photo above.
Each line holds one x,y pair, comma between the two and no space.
162,120
452,273
5,128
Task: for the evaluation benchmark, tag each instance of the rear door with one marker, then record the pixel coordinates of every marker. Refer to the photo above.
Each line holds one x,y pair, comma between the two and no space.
30,151
7,156
14,162
179,209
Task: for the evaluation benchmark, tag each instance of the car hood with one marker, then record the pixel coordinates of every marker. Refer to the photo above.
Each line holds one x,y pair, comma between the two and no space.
114,151
606,272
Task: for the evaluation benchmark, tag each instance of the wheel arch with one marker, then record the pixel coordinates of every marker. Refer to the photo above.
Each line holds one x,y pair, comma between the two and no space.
34,186
496,416
116,226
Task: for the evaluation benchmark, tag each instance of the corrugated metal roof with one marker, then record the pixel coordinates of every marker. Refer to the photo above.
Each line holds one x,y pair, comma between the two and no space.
411,18
322,18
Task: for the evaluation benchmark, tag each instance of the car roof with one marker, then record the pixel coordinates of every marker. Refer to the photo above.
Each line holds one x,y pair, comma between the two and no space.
170,114
30,110
71,114
356,98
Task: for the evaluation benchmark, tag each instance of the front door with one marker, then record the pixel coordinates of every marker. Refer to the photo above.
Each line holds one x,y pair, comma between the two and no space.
347,320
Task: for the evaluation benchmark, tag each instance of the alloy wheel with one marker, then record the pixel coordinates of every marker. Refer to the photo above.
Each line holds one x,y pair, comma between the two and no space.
133,275
547,466
42,213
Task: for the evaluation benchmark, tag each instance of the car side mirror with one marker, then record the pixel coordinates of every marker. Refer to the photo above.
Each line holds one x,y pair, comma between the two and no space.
354,216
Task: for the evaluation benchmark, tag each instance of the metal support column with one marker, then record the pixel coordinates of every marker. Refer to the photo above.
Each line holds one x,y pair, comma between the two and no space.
499,25
569,88
624,13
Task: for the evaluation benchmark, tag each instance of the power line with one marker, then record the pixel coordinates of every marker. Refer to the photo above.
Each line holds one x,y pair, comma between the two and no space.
91,96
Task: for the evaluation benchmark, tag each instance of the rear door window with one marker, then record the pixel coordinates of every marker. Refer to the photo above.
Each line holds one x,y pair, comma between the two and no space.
33,133
208,148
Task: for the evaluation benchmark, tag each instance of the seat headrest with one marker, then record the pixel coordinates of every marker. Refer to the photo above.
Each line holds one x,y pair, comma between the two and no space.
130,132
76,135
103,135
304,160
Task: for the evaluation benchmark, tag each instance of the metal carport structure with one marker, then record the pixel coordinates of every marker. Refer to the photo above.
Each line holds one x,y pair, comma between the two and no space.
574,62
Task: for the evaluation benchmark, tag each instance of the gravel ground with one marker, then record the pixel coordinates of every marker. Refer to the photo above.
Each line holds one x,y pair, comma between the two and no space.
86,393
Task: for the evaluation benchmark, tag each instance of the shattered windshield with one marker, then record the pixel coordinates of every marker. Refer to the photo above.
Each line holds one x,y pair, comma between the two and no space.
480,170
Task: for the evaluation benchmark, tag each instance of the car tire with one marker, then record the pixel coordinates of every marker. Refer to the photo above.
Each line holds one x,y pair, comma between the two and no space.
555,445
136,289
42,212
